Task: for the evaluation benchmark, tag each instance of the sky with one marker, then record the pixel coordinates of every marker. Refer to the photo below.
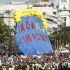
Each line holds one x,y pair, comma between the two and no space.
4,1
8,1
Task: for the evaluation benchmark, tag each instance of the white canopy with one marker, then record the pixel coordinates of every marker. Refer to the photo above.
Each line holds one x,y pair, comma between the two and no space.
64,50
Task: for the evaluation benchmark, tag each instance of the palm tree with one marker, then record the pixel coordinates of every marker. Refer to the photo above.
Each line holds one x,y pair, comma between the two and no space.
62,36
65,31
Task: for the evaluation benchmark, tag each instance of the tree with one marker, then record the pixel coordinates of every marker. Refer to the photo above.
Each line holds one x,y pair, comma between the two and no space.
5,32
2,31
61,36
65,31
6,37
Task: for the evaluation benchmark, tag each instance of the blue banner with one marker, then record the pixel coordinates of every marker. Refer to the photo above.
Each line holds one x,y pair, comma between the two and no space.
31,37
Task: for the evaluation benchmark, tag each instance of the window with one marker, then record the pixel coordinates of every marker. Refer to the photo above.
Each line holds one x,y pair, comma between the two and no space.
65,19
64,1
54,13
44,13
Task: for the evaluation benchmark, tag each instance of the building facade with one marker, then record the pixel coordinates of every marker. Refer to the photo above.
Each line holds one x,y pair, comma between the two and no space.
64,11
49,11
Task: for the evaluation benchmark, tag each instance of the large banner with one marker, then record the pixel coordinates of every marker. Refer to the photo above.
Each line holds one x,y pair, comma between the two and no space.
31,36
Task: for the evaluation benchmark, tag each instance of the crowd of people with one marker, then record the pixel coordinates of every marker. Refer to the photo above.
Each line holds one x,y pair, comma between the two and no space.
33,62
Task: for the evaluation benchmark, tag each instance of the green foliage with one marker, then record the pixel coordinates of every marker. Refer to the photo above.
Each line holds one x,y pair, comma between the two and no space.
6,36
62,34
5,32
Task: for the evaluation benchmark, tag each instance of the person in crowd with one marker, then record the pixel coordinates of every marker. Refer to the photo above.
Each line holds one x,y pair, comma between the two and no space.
60,66
65,66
